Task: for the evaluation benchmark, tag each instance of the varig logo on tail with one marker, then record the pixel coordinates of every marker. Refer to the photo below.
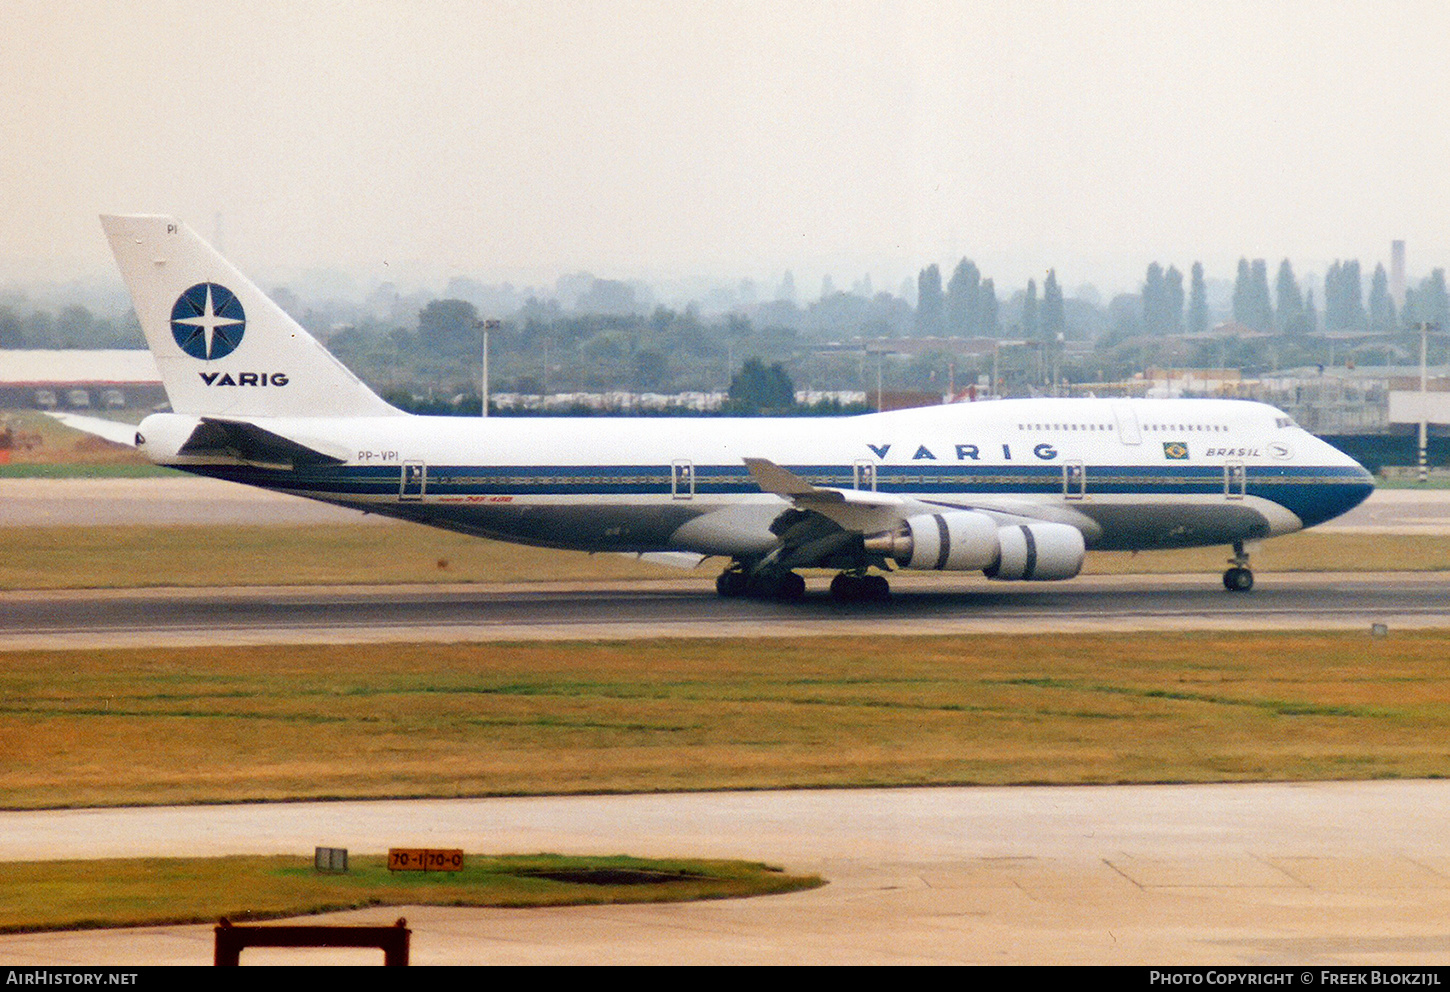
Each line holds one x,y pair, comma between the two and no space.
208,321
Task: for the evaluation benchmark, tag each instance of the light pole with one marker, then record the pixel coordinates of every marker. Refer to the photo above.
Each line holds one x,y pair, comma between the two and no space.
488,325
878,379
1425,328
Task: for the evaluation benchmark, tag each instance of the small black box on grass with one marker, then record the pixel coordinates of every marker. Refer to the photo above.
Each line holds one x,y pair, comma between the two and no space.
331,860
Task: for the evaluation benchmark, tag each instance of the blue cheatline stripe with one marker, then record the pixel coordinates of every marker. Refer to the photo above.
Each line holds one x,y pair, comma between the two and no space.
655,479
1314,494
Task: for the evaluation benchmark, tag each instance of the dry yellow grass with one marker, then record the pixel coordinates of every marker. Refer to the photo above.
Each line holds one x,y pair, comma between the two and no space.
1311,551
227,724
42,440
125,556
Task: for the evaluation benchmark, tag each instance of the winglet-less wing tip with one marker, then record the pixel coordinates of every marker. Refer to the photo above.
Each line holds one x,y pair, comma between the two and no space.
773,479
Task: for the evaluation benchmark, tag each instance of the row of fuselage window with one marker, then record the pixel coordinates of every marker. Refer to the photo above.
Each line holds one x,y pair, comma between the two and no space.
1214,428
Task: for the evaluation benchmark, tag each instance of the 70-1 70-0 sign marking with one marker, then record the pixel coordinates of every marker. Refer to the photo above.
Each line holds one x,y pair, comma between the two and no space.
424,859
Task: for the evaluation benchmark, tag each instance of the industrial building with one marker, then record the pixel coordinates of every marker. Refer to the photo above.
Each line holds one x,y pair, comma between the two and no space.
79,380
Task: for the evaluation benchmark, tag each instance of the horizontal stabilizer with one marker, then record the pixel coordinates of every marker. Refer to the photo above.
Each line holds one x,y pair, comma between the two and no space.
251,444
111,430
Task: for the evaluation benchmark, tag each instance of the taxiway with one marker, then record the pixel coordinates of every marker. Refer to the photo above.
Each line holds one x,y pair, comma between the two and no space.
1276,874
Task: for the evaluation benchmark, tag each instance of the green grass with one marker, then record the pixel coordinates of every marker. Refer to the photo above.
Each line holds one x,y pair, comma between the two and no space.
160,726
66,895
78,470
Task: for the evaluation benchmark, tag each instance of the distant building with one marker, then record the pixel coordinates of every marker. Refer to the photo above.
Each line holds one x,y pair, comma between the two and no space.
1176,383
1345,399
902,399
79,380
1227,329
1397,273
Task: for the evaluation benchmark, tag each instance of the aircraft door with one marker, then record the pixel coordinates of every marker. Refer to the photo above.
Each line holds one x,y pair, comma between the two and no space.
1235,480
1074,480
1128,432
414,481
682,479
864,474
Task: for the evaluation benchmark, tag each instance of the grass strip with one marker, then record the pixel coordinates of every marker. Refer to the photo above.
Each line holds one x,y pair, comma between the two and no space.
115,557
235,724
81,470
129,892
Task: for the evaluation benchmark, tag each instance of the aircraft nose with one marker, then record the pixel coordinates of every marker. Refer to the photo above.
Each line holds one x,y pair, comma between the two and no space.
1336,498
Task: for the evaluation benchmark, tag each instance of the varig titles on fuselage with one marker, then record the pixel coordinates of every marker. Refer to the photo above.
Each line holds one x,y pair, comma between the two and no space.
1042,451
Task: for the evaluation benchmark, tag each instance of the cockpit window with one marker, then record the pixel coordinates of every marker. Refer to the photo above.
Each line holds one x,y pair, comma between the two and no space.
1284,422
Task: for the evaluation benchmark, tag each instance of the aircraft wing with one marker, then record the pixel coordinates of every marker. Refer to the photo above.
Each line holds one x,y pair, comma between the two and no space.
851,509
823,524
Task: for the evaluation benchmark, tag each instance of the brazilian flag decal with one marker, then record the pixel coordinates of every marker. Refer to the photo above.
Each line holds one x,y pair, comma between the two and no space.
1177,450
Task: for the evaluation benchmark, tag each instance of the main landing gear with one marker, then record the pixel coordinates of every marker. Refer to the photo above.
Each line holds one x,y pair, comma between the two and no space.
787,586
858,587
773,584
1238,578
731,583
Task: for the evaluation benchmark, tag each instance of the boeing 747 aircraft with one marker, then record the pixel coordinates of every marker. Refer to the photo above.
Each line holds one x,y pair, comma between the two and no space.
1017,489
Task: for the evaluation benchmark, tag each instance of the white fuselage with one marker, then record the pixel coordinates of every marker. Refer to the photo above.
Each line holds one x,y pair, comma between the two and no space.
1131,474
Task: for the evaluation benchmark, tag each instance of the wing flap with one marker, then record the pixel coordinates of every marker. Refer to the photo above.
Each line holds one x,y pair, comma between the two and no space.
861,511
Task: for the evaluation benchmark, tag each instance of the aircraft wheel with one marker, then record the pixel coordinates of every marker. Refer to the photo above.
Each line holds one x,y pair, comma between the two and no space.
1238,579
846,588
791,588
731,583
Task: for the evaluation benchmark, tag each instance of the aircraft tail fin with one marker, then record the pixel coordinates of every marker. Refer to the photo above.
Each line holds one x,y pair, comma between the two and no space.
222,346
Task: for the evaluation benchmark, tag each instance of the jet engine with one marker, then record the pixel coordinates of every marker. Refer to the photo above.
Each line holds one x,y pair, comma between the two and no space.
1038,551
966,541
957,541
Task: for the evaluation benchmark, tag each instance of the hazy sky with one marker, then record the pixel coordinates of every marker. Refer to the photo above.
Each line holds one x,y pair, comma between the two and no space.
651,140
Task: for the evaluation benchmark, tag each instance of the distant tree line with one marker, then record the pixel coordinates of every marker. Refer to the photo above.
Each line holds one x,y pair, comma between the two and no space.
966,308
429,349
1289,308
72,327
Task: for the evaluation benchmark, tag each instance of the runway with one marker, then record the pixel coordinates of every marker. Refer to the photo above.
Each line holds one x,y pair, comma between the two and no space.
1275,874
690,608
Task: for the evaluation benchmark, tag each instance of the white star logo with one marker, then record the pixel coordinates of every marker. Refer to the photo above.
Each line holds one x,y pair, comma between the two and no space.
208,323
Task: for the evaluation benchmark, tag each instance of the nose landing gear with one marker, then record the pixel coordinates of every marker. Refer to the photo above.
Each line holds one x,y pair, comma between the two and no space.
1238,578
